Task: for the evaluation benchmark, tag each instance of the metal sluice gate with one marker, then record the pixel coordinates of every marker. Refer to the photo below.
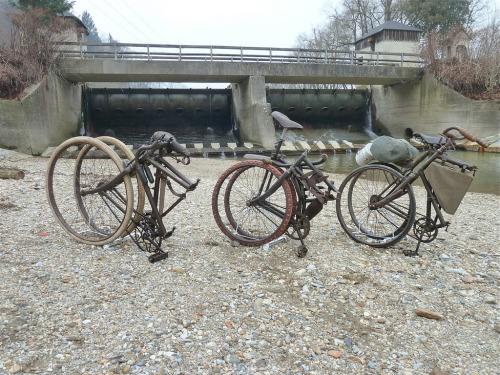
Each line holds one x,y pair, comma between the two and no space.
201,115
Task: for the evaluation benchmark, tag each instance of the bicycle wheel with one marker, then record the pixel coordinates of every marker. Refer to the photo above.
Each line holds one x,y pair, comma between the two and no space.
380,227
251,225
136,182
78,165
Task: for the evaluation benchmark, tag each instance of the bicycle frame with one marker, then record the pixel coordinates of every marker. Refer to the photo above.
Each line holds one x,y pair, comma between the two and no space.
280,198
302,182
415,171
144,158
295,170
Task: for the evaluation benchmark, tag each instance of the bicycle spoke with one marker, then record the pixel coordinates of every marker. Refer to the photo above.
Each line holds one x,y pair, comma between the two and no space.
238,211
360,191
96,218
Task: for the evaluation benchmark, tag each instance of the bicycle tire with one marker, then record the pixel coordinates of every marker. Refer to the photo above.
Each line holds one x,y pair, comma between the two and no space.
93,219
233,178
251,226
380,227
136,181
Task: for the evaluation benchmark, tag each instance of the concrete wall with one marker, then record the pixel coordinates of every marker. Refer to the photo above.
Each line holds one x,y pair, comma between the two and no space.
430,107
49,114
252,113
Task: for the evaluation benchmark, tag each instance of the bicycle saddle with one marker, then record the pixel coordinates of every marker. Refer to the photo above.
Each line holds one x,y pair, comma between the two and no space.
431,139
284,121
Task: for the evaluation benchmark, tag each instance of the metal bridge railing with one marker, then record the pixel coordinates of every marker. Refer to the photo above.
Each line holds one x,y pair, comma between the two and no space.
170,52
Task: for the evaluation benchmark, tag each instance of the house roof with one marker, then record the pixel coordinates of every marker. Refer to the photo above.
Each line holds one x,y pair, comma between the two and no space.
389,25
77,20
7,10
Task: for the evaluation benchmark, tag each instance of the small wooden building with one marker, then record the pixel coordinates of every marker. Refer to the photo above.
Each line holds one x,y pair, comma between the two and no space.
391,36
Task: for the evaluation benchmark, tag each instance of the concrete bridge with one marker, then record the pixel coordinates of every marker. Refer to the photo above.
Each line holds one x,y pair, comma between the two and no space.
401,93
175,63
248,69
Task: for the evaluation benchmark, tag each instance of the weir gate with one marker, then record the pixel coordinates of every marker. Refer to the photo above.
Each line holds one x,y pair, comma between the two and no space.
207,115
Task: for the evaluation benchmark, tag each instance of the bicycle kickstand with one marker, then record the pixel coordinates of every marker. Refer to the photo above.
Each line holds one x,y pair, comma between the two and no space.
301,251
413,253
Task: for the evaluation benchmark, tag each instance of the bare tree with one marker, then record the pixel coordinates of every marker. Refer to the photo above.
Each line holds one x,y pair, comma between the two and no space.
33,50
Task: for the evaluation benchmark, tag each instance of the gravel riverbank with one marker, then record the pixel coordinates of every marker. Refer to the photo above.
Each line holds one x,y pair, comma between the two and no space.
70,308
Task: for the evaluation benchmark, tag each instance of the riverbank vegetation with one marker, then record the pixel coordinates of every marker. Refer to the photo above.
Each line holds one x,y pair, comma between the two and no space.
27,53
37,26
474,74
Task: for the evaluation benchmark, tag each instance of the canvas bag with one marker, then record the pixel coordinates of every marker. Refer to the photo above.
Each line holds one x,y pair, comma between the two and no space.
391,150
449,183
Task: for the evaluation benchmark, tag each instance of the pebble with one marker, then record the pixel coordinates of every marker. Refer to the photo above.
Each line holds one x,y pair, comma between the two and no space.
233,359
15,369
421,338
371,295
211,307
438,372
334,353
284,320
426,313
491,300
459,271
178,270
468,279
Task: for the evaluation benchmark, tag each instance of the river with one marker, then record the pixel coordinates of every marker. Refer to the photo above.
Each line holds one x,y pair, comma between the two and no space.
486,180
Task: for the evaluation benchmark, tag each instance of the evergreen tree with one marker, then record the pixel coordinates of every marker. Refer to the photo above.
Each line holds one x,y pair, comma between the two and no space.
111,40
93,36
438,15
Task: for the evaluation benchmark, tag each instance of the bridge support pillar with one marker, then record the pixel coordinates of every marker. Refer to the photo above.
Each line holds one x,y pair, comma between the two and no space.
252,112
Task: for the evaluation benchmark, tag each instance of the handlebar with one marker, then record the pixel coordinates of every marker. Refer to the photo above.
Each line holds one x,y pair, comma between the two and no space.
324,157
465,134
166,140
301,160
175,146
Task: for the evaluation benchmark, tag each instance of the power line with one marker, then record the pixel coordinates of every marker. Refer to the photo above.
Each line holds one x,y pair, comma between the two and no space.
109,19
127,21
142,20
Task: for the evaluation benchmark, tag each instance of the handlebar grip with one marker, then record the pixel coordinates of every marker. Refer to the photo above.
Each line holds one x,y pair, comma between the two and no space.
471,138
324,157
175,146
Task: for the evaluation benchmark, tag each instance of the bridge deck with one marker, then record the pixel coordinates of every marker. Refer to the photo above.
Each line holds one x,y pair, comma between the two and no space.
107,70
174,63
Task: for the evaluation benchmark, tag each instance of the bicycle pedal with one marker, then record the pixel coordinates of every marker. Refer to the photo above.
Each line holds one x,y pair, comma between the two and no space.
157,257
410,253
301,251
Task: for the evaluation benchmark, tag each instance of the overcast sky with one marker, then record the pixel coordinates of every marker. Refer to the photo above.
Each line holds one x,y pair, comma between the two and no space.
263,23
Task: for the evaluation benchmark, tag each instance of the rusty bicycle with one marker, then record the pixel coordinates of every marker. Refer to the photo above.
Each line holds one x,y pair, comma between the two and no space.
376,203
90,189
258,200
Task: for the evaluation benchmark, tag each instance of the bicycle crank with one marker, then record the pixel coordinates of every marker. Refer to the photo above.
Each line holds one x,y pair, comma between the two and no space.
425,230
300,227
